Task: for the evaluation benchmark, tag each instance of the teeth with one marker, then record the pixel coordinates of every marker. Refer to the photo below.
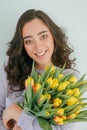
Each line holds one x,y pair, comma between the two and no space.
40,54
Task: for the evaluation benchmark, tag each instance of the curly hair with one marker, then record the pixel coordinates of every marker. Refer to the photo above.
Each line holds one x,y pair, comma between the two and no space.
19,63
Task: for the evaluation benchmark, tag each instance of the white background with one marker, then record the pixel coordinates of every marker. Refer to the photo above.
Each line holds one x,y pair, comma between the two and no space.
69,14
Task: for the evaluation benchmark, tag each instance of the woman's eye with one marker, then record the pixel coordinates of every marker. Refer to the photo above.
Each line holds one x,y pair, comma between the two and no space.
44,36
28,42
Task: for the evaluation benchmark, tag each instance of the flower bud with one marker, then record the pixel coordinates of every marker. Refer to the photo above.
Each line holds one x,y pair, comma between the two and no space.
29,81
64,117
58,120
41,98
71,116
57,102
36,87
47,113
71,101
48,96
52,68
60,111
63,85
69,92
60,76
49,81
54,83
73,79
76,92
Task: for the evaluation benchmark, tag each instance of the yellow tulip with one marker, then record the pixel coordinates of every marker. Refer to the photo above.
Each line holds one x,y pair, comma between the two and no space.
85,81
64,117
52,68
60,76
60,111
82,82
71,116
57,102
47,113
49,81
62,86
76,92
73,79
77,109
58,120
41,98
48,96
29,81
36,87
71,101
69,92
54,83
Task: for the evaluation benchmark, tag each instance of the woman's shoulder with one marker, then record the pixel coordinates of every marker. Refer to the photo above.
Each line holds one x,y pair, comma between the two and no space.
72,71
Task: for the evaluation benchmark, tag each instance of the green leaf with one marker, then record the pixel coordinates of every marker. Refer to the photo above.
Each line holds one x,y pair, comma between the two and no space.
75,120
20,104
83,87
41,113
80,80
28,96
33,70
82,114
45,75
26,109
37,95
44,124
57,72
66,77
36,109
70,108
40,104
45,106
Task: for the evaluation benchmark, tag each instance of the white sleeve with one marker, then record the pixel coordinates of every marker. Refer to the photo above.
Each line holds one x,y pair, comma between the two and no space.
1,126
28,121
66,127
3,93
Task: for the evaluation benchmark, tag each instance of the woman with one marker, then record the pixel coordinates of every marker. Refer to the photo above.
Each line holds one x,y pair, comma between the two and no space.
36,38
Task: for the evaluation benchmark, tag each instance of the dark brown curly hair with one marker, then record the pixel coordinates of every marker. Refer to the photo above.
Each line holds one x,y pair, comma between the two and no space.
19,63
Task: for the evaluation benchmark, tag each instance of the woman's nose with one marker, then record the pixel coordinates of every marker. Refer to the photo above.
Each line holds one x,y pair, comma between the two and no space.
38,44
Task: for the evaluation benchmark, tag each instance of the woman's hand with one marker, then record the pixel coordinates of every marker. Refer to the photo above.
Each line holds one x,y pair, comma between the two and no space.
16,127
11,115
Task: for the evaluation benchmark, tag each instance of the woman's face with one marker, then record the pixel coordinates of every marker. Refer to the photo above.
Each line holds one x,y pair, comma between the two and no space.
38,42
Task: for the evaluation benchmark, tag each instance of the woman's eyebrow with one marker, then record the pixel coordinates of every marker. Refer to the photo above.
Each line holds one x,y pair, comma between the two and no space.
41,32
29,36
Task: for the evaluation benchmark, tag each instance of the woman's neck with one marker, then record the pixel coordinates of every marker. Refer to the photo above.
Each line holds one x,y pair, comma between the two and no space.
41,67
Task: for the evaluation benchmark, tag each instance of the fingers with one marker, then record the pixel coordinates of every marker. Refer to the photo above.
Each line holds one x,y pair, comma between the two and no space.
16,127
7,121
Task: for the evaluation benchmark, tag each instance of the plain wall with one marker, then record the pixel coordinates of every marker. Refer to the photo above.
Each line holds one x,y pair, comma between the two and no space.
68,14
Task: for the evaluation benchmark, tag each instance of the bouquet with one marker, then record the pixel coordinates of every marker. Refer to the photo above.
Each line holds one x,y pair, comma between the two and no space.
55,98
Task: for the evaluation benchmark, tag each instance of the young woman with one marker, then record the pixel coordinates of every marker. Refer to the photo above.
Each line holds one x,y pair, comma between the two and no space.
36,38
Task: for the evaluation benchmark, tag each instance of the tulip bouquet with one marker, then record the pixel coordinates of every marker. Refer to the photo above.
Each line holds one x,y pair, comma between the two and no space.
55,98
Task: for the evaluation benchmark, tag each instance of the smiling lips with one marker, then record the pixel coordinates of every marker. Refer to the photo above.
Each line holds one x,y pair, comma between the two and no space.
40,54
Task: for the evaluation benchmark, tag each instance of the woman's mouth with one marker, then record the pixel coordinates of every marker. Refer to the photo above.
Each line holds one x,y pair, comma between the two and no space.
40,54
